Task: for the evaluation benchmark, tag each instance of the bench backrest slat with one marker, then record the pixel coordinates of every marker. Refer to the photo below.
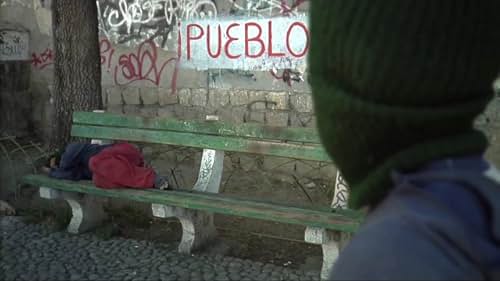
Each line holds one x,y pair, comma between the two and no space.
291,150
306,135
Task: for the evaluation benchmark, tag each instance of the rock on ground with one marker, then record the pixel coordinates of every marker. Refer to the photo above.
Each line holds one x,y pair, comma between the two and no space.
6,209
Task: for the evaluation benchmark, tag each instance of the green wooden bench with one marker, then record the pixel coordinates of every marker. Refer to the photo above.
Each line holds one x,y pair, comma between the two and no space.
194,208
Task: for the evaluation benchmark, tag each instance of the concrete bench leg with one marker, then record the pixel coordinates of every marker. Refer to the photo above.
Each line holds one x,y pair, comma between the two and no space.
198,228
87,211
331,243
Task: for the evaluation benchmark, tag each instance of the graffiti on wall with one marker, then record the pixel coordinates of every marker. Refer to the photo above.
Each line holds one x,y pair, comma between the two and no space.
274,39
42,59
141,64
262,39
249,44
14,45
265,7
132,22
287,76
273,8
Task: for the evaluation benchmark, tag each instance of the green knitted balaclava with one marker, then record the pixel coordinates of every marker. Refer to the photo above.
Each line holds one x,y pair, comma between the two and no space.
398,83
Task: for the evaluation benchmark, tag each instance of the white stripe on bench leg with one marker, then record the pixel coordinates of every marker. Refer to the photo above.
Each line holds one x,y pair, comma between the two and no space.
210,174
197,227
211,167
87,212
341,193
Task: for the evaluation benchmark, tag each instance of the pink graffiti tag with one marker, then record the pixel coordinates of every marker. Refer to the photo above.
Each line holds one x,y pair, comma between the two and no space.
107,52
131,67
40,61
141,65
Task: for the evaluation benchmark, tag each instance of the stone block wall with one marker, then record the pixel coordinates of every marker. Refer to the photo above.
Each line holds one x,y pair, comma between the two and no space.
281,109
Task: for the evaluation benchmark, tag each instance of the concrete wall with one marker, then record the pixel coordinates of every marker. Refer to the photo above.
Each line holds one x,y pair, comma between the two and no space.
14,80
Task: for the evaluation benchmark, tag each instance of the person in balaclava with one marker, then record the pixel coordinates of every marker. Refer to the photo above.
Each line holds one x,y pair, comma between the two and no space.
396,87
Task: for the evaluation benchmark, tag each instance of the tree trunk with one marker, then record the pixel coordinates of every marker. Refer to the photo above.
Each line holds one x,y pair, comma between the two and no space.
77,68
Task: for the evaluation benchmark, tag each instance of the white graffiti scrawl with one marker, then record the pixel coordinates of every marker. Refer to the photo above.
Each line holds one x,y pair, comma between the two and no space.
132,22
265,8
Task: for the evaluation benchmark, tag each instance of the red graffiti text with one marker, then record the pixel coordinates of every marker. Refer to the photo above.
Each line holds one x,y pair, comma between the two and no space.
41,60
241,32
140,65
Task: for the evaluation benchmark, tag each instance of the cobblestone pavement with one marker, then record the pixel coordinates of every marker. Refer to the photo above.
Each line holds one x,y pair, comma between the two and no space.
33,252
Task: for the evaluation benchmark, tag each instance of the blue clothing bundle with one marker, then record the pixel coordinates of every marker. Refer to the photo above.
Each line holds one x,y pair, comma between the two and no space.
443,219
74,164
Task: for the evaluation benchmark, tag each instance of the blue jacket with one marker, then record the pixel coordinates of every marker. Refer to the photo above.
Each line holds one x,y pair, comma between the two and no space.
439,223
74,164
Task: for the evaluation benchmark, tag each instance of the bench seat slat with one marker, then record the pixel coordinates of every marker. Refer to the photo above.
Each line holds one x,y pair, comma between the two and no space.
215,203
290,150
307,135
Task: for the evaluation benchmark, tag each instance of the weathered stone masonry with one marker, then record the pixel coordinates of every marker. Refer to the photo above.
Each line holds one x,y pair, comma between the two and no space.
237,106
